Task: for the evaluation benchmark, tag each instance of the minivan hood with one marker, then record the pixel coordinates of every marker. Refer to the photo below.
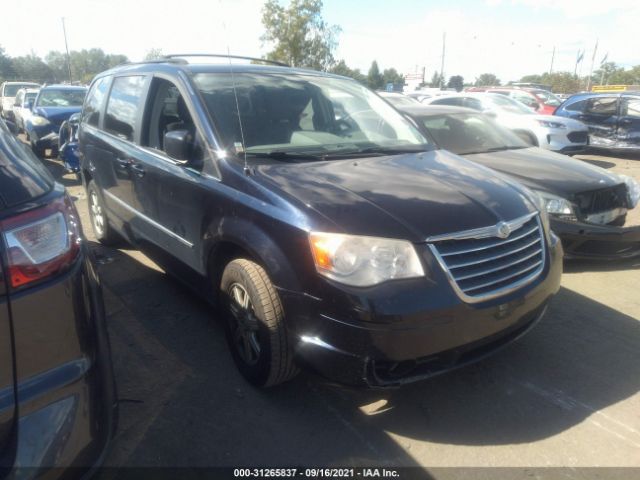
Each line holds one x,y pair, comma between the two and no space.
411,196
542,169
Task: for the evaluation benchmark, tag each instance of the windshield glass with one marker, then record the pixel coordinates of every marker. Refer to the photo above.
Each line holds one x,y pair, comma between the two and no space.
507,104
30,95
400,100
61,98
547,98
302,113
464,133
12,90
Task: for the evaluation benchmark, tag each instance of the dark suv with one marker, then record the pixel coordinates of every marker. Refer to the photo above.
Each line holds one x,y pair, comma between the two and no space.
330,231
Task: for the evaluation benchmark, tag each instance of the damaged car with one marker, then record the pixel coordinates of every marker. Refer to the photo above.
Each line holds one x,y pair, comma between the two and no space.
587,205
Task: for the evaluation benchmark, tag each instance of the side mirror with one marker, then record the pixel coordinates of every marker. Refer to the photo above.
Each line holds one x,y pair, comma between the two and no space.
178,145
13,128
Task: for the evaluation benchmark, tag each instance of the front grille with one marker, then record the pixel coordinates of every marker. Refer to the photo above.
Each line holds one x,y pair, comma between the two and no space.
602,200
578,137
481,265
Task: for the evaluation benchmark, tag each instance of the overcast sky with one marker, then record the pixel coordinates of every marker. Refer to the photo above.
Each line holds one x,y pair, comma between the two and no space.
508,37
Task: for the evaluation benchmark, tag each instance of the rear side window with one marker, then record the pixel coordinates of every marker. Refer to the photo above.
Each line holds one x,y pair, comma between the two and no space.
602,105
576,106
630,107
93,103
122,107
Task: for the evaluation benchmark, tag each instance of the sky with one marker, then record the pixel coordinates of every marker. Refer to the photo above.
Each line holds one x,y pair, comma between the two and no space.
510,38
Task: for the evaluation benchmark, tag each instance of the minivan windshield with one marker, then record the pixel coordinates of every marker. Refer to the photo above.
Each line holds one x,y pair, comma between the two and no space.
305,114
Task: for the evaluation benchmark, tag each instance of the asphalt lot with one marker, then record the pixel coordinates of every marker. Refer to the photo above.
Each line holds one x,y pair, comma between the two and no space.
567,394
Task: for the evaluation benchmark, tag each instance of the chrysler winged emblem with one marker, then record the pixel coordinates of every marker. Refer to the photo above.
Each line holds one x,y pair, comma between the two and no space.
503,230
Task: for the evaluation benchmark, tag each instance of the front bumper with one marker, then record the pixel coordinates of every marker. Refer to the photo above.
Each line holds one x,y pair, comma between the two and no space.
407,338
604,242
559,141
66,390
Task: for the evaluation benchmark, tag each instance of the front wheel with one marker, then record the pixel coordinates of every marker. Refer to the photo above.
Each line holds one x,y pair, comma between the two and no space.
255,327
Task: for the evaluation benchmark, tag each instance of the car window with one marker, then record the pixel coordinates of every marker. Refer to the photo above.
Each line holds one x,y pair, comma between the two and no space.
19,97
93,103
61,97
464,133
547,98
602,106
122,106
12,90
455,101
525,98
630,107
308,113
578,106
167,111
472,103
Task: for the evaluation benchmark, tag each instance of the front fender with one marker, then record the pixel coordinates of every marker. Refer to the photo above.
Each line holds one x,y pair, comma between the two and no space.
260,245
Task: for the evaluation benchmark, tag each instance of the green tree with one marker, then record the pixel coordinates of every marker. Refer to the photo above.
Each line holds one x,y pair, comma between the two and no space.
436,80
153,54
391,75
32,68
6,66
298,34
487,80
457,82
341,68
560,82
57,62
374,78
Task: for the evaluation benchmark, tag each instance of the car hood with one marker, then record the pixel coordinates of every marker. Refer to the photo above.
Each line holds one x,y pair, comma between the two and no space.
411,196
542,169
56,114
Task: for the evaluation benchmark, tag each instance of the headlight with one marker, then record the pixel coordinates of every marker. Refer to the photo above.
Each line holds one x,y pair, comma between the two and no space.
633,187
548,124
557,206
363,261
39,121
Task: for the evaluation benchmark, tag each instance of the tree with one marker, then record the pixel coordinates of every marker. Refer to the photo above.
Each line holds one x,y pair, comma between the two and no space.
436,80
32,68
487,80
457,82
391,75
57,62
560,82
341,68
299,35
6,66
153,54
374,79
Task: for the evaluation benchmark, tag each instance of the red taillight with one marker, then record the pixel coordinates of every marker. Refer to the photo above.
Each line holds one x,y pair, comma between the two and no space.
41,242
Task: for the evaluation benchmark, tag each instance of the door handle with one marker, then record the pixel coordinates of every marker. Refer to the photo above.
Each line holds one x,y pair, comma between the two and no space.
137,168
123,162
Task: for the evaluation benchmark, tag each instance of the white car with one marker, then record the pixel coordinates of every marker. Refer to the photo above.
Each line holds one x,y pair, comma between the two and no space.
23,106
555,133
8,92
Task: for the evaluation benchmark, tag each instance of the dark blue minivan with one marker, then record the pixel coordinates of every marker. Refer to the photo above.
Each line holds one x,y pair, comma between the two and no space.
326,226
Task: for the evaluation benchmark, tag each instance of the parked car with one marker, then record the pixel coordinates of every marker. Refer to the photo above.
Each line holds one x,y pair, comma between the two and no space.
22,108
398,99
587,205
57,394
540,101
347,243
54,104
68,144
8,92
613,118
545,131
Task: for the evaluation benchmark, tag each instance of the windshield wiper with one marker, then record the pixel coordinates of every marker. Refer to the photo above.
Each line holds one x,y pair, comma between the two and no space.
285,156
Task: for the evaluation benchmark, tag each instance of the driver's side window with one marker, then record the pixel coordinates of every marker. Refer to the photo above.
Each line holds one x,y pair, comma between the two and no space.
167,111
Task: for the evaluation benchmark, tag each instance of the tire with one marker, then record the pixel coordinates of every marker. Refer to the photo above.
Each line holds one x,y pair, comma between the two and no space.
103,231
255,331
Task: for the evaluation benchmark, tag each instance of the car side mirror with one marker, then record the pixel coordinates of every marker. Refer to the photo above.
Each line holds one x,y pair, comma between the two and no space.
178,144
13,128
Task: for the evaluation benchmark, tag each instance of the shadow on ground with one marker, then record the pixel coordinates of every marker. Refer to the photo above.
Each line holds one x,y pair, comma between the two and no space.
184,404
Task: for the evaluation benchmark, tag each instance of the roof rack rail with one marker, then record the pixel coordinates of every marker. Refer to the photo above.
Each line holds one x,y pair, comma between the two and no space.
220,55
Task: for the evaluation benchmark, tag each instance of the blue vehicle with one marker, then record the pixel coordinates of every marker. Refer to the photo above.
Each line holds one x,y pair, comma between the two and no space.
68,144
613,118
53,105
